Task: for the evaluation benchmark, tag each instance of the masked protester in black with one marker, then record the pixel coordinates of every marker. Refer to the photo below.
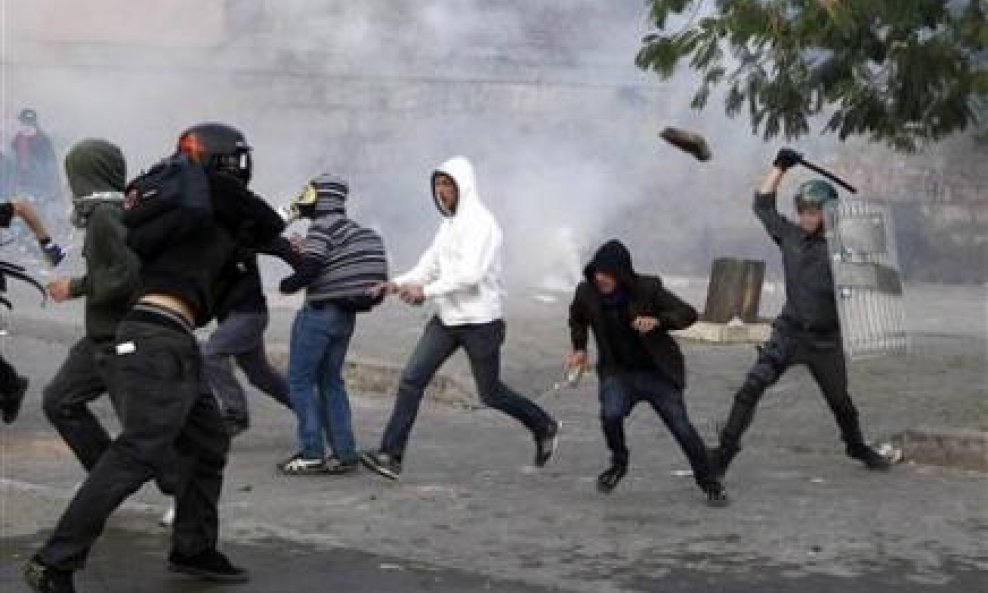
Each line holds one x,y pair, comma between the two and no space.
631,315
172,428
807,331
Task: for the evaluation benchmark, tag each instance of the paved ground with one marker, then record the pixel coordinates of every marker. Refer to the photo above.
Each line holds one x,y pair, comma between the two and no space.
470,514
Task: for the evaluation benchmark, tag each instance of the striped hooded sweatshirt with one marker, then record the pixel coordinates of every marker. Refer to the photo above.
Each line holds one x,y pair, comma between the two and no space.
341,260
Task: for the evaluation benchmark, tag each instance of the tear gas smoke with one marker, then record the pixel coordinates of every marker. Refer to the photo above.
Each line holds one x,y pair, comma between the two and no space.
542,96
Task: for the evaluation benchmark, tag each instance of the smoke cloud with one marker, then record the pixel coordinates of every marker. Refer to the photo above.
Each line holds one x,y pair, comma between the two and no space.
542,96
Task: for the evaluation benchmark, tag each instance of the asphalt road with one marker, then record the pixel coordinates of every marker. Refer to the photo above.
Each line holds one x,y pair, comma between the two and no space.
470,514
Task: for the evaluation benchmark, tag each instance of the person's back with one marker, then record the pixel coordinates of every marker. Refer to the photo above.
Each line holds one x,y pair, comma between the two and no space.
340,262
201,267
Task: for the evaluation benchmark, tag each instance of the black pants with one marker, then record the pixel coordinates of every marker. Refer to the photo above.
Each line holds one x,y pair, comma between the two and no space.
86,374
8,378
618,395
824,357
482,343
172,430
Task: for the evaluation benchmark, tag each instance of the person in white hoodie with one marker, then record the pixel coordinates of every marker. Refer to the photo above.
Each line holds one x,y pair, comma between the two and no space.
460,273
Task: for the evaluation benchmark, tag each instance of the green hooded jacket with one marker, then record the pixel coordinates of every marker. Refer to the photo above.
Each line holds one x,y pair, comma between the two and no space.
97,173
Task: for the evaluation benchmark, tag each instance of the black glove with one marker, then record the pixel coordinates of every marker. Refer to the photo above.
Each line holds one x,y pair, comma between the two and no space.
787,158
53,253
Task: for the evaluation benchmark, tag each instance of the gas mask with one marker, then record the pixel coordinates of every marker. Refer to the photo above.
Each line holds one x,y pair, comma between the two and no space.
303,206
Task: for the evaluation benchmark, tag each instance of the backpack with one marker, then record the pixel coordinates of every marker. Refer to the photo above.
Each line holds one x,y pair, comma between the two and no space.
174,182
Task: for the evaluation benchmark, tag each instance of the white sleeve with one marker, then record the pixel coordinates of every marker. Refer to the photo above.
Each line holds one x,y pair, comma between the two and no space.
427,268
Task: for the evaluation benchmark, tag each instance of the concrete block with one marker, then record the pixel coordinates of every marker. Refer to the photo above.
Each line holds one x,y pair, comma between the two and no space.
726,333
947,447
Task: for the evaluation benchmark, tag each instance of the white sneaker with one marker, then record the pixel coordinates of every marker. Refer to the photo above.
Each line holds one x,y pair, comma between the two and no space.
168,519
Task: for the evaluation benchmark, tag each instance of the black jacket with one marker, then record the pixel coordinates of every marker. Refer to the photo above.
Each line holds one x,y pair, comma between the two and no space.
198,263
647,298
246,295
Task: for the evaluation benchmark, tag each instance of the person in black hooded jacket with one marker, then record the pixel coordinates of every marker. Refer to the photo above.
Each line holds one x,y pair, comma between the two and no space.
631,316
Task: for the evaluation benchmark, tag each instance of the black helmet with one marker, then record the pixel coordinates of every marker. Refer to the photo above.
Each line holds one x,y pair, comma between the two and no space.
218,147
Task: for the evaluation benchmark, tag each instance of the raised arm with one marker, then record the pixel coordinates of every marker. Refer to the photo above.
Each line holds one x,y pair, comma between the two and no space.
765,207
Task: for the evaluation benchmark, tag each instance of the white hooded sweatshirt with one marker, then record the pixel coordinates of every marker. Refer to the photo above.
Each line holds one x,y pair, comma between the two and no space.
461,270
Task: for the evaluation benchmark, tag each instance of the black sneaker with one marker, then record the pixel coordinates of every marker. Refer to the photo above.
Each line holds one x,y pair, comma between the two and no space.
871,458
717,496
608,481
383,464
210,565
545,444
338,468
12,401
297,465
45,579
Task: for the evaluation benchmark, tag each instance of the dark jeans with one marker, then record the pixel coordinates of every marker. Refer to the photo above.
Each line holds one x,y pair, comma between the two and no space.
482,343
86,374
823,356
241,336
172,428
618,395
320,340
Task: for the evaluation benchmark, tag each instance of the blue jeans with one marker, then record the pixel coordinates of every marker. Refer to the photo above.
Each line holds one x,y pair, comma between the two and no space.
320,338
618,395
482,343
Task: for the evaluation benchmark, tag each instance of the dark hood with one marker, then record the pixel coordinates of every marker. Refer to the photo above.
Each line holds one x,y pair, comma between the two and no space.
95,166
615,259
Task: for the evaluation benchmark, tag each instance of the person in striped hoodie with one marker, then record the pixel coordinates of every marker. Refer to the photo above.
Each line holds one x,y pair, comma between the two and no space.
340,262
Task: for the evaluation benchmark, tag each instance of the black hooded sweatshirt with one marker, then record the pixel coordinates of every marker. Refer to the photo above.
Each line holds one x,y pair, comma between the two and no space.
620,348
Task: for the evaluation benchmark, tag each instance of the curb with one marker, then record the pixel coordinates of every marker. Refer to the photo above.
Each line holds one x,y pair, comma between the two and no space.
371,378
955,448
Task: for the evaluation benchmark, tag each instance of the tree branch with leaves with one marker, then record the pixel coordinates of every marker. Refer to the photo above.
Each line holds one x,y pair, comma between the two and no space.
902,72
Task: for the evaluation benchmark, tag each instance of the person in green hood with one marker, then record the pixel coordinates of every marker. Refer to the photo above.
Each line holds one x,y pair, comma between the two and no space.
96,173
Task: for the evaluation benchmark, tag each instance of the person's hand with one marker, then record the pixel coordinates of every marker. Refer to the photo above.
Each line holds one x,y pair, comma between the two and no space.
53,253
577,360
382,289
644,324
288,213
787,158
59,290
412,294
297,242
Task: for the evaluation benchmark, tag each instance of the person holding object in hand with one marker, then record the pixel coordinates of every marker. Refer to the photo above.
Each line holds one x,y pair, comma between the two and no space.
807,332
630,315
461,273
